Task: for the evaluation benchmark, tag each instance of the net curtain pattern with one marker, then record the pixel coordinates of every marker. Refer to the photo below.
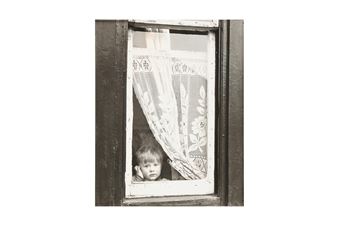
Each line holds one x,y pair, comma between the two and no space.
171,87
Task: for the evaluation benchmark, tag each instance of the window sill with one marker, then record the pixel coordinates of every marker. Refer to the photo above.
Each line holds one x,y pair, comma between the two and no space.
200,200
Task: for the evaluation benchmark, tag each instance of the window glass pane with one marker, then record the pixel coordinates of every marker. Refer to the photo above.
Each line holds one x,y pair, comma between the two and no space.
189,42
170,108
173,113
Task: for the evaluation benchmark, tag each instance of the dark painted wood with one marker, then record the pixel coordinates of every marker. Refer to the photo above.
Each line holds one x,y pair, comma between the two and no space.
174,201
235,115
222,113
111,69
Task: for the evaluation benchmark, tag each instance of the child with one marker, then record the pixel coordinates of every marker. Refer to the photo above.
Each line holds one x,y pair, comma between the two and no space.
149,158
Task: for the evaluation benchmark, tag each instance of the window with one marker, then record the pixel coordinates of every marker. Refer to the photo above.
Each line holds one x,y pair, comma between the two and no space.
187,82
173,77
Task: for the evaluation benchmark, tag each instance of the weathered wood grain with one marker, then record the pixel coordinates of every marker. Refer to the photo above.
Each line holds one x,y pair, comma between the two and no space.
235,115
111,70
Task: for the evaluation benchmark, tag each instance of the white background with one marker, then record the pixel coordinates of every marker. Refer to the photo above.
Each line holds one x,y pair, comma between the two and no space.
47,116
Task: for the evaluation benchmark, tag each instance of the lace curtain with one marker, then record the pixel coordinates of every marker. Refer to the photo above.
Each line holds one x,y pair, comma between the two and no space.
170,86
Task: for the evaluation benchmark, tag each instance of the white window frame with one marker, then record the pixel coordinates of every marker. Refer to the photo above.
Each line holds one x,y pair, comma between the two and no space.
197,23
172,187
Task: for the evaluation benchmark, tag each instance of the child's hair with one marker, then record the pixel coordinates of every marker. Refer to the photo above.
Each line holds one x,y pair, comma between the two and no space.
148,153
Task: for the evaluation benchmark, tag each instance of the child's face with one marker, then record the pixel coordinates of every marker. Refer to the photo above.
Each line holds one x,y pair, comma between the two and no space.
151,170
